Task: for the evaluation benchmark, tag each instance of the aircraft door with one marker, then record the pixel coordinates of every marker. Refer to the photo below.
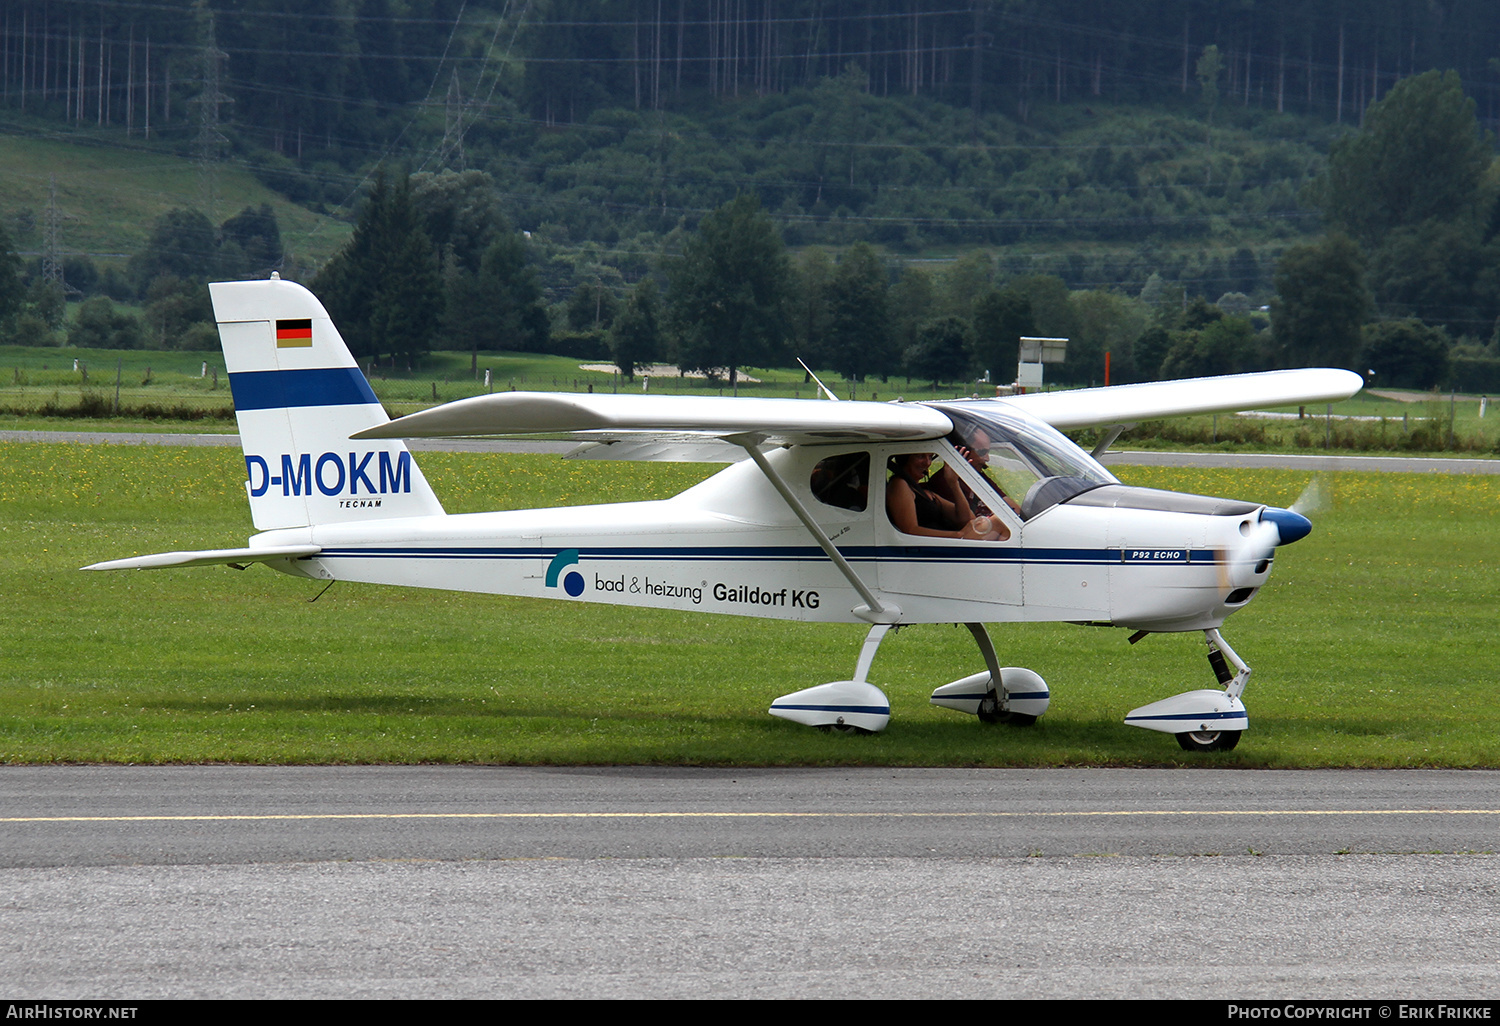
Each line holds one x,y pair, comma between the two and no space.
983,570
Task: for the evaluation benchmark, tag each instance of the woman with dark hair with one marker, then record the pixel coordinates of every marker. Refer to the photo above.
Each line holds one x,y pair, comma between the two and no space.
933,508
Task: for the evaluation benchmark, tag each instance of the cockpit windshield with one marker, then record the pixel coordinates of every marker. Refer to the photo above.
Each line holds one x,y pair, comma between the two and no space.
1026,460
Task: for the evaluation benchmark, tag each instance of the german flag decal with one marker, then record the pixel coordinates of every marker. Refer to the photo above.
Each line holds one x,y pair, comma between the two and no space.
294,334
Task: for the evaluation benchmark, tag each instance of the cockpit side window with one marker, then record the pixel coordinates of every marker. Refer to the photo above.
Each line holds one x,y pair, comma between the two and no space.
842,481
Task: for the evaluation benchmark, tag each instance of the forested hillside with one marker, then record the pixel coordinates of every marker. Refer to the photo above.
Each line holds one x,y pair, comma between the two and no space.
1143,150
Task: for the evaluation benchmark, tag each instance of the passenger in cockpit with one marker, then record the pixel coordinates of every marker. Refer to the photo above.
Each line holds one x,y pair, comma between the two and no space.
933,507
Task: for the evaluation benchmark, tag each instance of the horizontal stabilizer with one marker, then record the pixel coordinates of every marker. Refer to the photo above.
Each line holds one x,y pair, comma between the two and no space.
1153,400
208,557
626,417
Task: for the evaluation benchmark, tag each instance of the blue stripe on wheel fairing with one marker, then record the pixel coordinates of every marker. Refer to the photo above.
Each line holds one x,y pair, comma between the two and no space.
280,389
878,710
1011,696
1190,717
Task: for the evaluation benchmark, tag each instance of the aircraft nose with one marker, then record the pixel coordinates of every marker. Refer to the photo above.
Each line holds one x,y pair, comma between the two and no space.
1290,526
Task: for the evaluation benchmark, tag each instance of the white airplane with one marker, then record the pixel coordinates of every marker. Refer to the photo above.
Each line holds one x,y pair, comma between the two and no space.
805,524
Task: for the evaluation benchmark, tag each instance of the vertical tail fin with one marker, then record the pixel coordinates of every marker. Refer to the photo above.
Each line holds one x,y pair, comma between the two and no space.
298,396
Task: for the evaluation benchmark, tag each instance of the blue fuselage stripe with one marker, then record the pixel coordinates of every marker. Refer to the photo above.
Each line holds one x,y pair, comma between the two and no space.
280,389
767,553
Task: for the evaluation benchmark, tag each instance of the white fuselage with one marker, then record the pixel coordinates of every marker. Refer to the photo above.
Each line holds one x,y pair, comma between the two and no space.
732,545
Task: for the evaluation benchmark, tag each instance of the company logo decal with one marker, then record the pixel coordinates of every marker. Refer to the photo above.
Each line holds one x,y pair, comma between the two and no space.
573,583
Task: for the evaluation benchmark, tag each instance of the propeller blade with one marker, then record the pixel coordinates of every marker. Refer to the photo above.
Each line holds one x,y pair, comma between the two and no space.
1313,500
1292,523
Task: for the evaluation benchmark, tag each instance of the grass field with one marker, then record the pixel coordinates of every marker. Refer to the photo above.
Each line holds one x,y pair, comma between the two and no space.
1372,646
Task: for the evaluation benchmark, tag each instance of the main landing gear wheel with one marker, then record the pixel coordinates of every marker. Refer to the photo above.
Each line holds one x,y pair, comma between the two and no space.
990,712
844,728
1209,740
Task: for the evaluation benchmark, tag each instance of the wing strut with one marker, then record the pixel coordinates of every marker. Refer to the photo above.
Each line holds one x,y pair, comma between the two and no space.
874,610
1108,438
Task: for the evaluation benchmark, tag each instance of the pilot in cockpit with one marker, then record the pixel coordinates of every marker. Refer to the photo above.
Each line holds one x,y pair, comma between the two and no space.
976,450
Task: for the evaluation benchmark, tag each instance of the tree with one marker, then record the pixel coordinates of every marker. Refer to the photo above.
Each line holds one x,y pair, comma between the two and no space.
1234,304
1107,323
913,302
1406,353
1430,271
1150,352
592,307
859,331
1244,272
635,337
1226,346
964,281
250,244
12,288
1053,315
811,314
461,210
1000,319
46,301
1209,67
183,243
1051,304
1320,303
1420,156
383,288
941,351
1164,299
173,307
98,325
729,292
500,307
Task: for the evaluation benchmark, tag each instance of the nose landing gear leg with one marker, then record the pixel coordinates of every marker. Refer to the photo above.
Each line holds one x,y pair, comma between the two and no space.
1209,720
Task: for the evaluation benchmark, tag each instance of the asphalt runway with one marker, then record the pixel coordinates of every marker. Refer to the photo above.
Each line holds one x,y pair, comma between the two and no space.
274,882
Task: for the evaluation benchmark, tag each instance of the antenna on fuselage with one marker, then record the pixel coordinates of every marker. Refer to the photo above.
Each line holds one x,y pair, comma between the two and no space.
820,384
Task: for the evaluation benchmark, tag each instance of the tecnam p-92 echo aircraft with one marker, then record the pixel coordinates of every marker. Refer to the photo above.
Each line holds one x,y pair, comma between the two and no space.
829,511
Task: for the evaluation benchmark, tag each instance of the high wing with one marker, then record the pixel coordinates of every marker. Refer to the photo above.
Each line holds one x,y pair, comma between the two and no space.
713,429
628,418
1115,404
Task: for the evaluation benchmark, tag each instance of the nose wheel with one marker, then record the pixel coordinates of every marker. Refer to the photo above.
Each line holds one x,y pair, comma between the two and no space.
1209,740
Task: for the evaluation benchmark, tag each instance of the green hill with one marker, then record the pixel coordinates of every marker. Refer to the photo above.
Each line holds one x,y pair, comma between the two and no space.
110,192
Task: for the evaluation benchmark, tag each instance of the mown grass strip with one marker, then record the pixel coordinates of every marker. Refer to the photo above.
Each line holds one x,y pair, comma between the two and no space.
1371,646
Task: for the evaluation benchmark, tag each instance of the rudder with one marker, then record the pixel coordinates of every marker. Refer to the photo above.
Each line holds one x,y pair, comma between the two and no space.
298,396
